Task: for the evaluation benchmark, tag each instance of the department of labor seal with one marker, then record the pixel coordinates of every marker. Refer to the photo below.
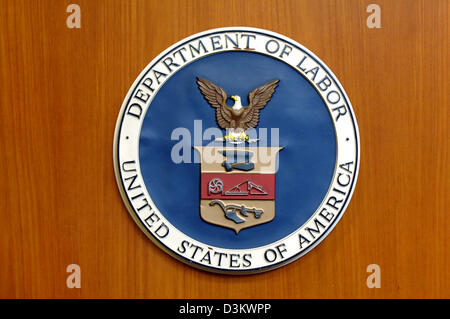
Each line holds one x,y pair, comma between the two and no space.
236,150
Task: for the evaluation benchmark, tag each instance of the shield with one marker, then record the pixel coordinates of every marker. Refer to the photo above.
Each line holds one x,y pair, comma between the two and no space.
237,185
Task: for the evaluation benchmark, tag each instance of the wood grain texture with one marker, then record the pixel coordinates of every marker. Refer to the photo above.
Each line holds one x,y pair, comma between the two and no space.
60,93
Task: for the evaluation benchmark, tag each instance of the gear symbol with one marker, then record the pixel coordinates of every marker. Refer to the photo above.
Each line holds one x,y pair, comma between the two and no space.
215,186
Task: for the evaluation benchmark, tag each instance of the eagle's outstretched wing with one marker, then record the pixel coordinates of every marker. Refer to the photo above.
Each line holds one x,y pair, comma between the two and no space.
217,98
258,98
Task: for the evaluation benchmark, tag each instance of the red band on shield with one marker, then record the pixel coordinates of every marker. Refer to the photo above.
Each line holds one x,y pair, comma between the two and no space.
237,186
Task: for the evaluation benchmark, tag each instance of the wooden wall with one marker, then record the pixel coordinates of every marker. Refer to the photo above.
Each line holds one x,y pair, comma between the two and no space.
60,93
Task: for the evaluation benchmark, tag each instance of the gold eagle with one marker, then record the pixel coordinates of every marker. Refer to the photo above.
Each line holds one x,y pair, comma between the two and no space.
237,117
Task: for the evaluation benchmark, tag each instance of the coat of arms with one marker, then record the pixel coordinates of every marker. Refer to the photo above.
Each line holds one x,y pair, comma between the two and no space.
237,182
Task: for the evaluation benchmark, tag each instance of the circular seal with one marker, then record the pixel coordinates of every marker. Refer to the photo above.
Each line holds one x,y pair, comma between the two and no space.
236,150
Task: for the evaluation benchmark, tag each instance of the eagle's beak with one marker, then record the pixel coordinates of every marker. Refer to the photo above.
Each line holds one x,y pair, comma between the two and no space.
234,98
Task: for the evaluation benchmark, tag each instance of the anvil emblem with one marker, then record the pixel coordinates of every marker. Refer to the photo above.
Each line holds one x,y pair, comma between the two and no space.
240,160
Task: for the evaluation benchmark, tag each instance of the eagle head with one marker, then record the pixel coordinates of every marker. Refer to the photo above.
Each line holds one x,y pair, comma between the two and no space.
237,102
